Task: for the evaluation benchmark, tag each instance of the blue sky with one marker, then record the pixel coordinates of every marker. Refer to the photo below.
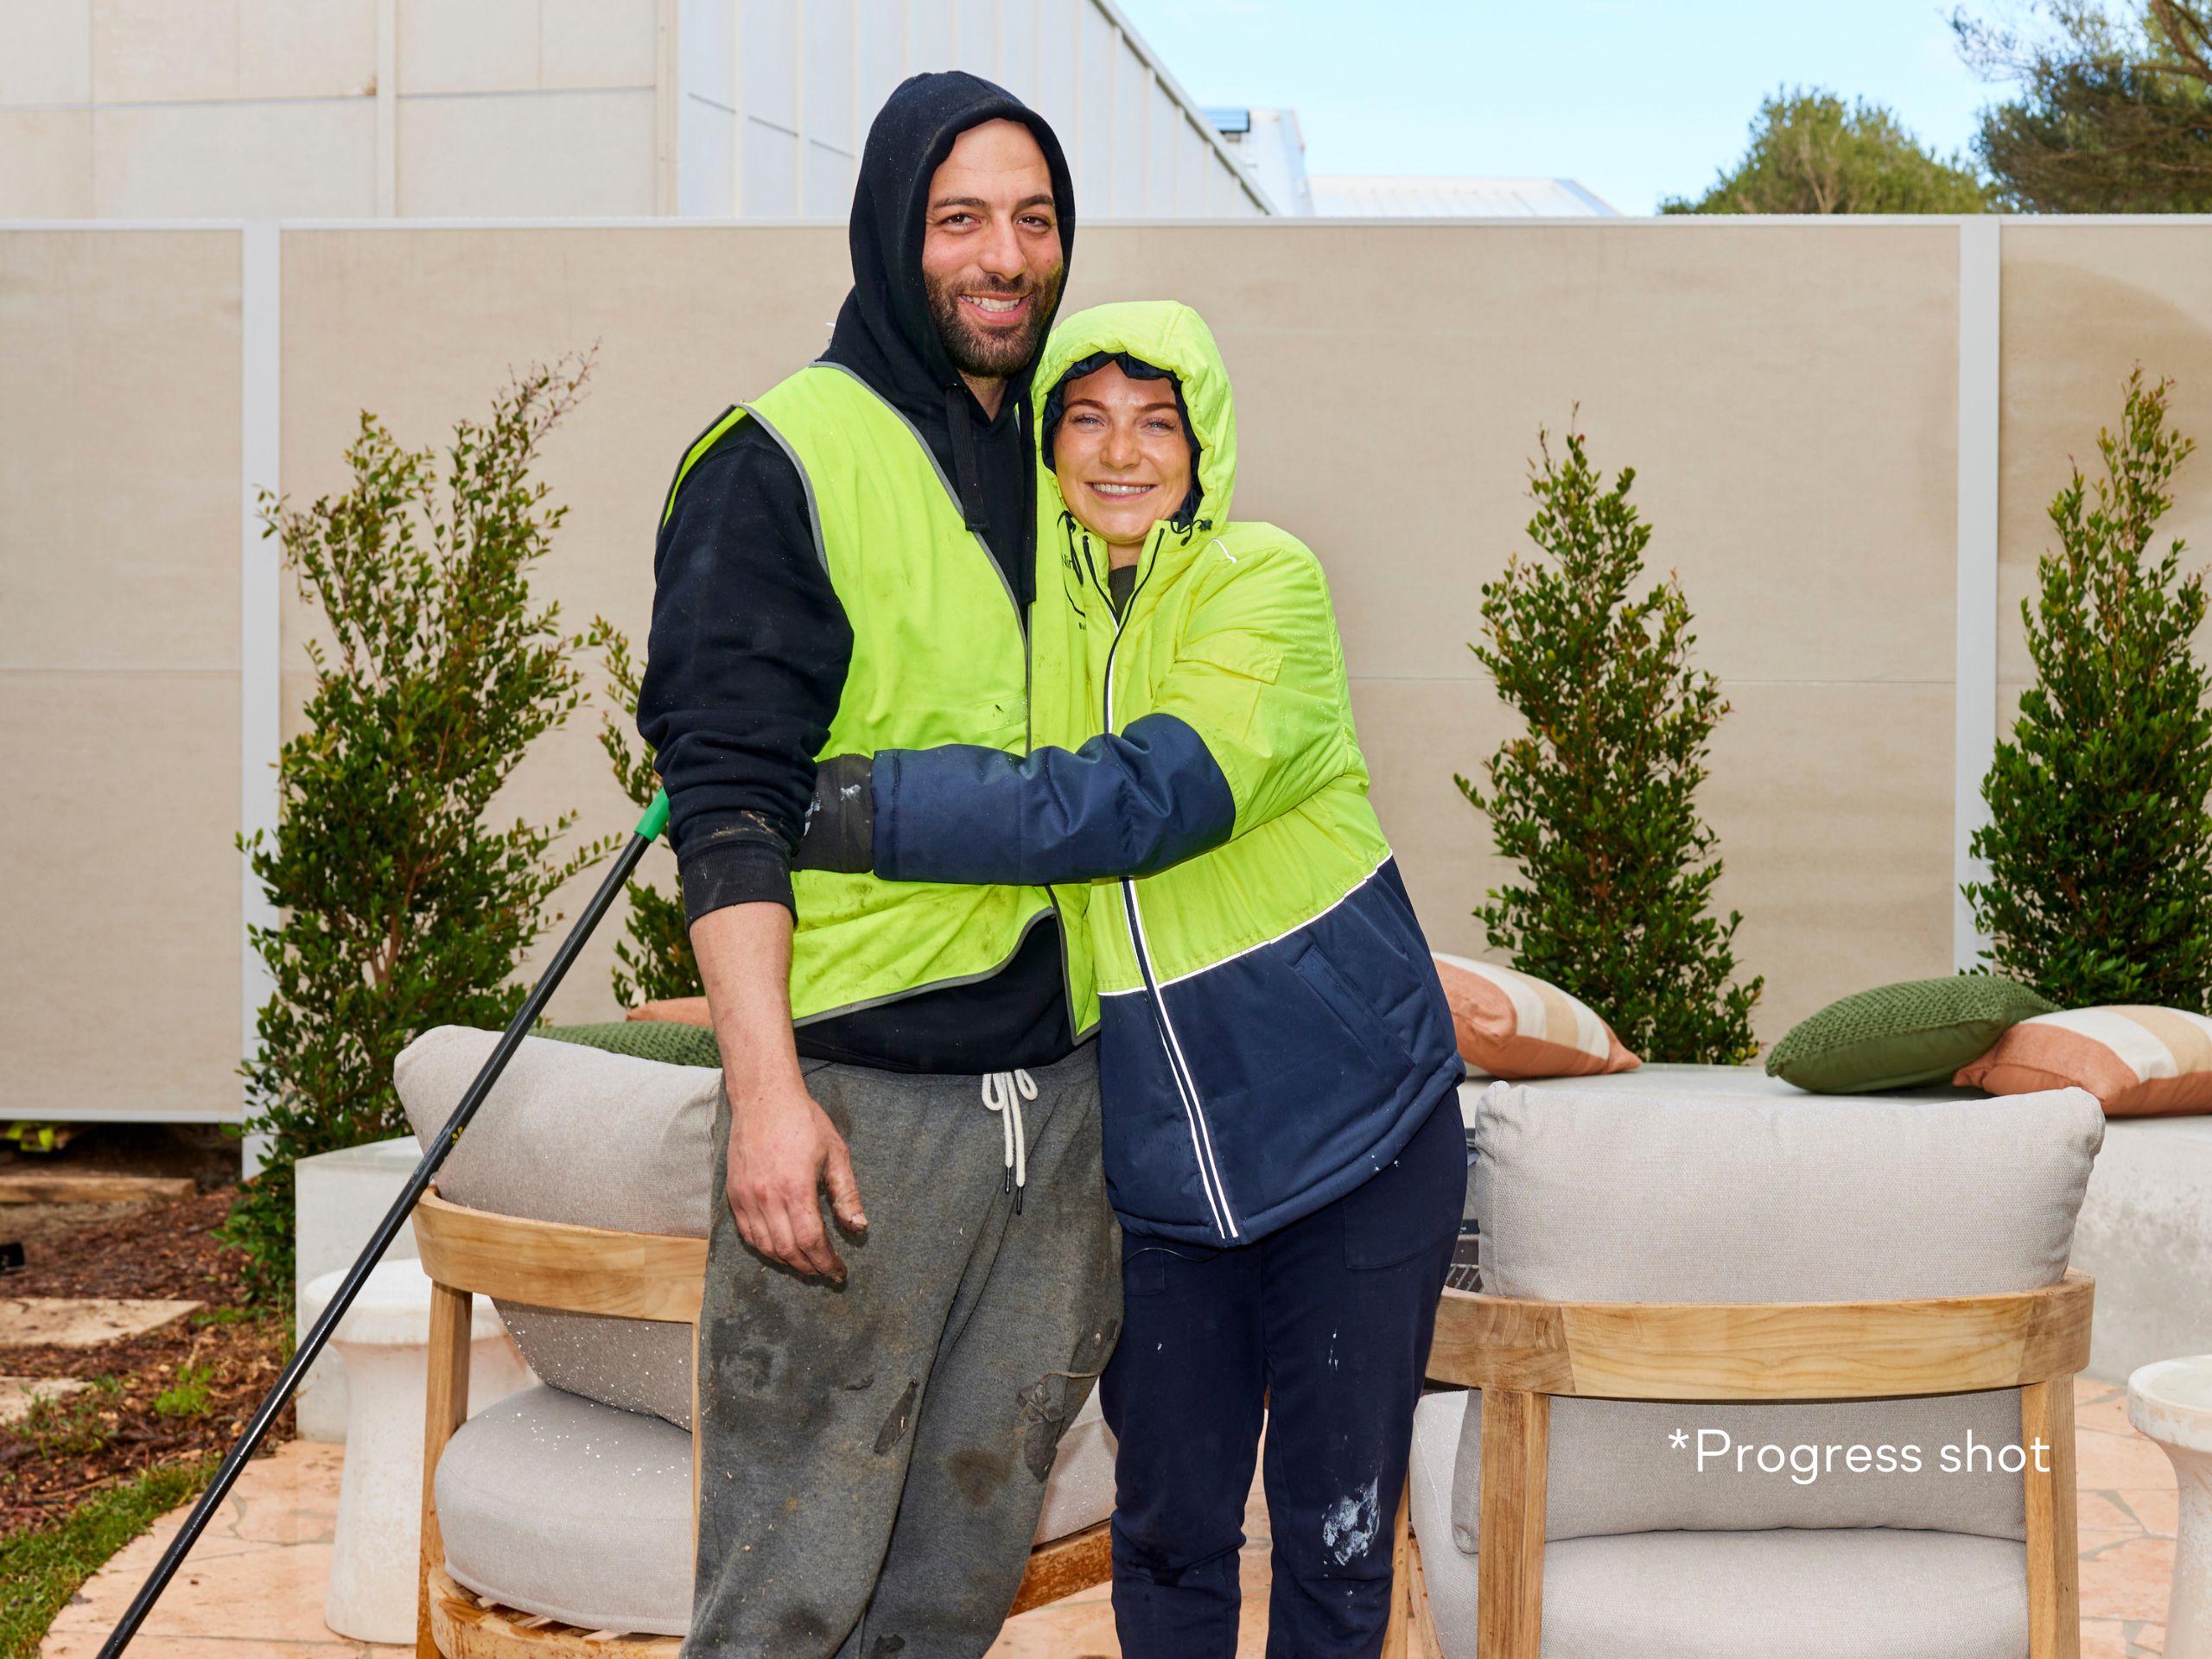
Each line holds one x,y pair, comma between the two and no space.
1636,98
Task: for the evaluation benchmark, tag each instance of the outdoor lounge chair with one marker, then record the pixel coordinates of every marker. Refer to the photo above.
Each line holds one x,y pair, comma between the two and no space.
579,1200
562,1457
1842,1271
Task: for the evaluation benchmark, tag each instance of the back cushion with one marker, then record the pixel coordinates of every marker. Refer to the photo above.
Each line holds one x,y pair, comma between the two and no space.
571,1133
1674,1191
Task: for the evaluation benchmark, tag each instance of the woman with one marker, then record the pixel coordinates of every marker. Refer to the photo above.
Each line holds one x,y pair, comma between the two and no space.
1282,1136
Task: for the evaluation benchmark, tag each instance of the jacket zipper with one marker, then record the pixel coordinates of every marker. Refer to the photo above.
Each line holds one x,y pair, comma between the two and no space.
1028,726
1186,1085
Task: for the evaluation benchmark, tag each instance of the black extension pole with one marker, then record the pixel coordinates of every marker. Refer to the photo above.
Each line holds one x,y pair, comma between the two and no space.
649,829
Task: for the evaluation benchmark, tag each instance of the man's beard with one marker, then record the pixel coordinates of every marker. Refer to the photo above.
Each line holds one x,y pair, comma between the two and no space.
991,356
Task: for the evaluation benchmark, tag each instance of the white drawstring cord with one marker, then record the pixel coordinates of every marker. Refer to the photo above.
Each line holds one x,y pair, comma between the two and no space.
1003,1093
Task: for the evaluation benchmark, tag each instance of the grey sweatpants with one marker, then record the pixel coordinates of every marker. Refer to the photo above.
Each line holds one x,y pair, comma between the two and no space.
874,1454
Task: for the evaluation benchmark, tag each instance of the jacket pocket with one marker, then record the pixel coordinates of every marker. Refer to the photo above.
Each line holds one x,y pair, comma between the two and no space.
1349,1008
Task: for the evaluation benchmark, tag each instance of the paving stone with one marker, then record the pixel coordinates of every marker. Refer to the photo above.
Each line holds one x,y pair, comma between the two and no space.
47,1186
19,1393
79,1322
2128,1581
2105,1462
2158,1509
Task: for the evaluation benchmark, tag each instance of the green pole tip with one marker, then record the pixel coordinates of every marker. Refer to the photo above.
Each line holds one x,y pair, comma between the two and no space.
656,819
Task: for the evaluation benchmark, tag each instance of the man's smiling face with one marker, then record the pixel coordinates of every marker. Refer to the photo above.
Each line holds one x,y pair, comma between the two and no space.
991,250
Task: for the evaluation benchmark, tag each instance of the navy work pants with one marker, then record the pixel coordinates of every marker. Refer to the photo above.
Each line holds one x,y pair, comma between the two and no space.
1319,1329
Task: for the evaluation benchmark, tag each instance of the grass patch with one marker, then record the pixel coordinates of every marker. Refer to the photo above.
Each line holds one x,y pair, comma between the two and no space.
207,1316
41,1569
187,1396
71,1425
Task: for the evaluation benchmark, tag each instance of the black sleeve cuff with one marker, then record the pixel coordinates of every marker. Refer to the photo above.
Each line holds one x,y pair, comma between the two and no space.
739,865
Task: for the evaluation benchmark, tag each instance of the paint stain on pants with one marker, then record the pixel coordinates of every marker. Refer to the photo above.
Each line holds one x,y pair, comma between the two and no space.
1349,1525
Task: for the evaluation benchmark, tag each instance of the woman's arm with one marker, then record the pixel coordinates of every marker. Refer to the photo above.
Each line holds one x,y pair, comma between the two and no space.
1126,805
1249,721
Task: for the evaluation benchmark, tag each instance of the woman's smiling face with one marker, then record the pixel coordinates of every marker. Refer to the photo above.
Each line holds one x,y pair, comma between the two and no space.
1121,454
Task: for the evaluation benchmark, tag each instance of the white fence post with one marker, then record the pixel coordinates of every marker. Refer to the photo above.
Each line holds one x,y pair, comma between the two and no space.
1974,736
260,624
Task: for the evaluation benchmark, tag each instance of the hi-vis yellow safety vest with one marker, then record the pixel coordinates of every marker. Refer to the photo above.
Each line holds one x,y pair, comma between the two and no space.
941,655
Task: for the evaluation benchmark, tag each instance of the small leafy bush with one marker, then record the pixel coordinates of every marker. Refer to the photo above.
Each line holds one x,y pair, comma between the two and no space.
403,907
1596,802
2099,850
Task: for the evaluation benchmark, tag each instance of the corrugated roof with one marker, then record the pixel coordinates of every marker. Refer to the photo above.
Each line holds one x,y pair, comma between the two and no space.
1369,196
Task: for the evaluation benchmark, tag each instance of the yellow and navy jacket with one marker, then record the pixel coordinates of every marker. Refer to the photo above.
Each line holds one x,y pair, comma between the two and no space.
1272,1029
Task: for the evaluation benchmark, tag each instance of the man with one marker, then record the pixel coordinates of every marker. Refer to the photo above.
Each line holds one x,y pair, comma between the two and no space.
846,564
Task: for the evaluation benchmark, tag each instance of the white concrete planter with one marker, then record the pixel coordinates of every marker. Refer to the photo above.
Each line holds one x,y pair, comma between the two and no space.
340,1197
385,1338
2171,1401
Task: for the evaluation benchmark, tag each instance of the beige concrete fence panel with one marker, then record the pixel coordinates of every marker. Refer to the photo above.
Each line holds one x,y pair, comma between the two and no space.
2084,304
119,427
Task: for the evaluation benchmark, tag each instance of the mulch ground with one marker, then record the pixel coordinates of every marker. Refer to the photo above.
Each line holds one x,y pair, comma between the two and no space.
212,1366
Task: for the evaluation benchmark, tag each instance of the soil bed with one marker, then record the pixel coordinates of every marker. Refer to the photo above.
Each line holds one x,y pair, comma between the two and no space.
165,1396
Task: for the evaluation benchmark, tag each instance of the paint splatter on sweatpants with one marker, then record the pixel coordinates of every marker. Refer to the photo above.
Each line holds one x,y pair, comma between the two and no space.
875,1455
1332,1316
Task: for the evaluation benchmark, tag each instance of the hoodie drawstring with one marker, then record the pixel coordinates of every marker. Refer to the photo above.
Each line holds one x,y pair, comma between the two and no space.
1003,1093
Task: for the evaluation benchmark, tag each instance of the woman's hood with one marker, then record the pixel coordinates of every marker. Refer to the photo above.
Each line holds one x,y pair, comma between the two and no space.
1168,335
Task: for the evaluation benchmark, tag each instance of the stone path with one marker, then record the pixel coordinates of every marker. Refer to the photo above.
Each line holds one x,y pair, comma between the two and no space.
79,1322
255,1584
2127,1515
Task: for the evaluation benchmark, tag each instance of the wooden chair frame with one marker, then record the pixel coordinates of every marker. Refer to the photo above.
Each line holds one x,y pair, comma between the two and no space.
1523,1353
471,1253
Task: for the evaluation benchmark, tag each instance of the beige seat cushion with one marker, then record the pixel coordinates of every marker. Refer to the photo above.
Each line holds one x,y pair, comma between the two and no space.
525,1488
576,1134
1867,1593
1589,1191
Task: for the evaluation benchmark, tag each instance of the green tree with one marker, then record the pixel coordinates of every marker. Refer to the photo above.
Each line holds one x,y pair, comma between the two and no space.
656,960
402,908
2099,850
2113,111
1596,802
1811,153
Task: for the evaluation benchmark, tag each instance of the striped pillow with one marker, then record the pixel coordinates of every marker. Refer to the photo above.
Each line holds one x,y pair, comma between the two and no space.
2138,1062
1513,1025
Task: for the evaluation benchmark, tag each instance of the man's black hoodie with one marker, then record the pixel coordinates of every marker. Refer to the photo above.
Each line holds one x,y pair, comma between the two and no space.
750,645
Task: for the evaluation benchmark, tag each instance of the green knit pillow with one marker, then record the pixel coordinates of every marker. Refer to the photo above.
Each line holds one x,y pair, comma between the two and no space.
666,1040
1902,1036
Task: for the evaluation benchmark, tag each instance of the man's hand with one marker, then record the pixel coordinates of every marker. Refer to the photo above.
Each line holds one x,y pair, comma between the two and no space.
783,1150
